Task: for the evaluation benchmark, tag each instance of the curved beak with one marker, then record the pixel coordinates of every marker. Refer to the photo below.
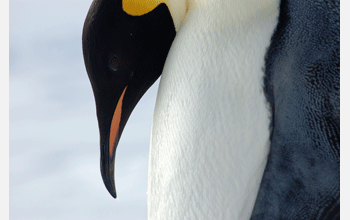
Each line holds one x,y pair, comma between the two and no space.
124,55
108,151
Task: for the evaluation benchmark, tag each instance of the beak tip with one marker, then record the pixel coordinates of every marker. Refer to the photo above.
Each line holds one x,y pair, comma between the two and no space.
113,193
109,183
107,172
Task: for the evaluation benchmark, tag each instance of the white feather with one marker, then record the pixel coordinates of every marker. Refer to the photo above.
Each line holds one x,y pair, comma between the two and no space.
210,134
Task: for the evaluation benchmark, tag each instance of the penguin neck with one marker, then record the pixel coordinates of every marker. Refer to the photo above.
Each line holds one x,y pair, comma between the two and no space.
210,134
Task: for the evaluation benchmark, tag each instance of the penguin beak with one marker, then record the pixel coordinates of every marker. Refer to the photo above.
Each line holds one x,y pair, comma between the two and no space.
124,55
109,140
108,147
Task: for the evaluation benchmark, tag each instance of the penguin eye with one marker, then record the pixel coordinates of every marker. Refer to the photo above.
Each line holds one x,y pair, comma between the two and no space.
113,63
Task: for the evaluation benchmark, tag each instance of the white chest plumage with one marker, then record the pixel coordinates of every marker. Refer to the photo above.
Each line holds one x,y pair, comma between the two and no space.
210,135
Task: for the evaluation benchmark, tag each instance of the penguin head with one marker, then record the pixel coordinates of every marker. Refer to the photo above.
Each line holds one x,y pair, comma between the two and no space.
124,55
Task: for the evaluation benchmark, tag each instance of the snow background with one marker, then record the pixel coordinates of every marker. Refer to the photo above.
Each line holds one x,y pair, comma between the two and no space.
54,138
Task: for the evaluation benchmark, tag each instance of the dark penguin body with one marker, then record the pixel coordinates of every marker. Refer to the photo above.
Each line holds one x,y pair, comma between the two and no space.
302,175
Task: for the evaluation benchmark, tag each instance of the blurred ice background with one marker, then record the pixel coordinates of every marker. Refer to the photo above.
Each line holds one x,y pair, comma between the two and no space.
54,138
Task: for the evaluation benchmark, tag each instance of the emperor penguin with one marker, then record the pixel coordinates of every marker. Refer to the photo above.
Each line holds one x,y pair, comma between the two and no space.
247,116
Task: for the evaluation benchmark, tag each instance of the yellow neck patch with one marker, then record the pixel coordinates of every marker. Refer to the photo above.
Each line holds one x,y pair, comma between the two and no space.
140,7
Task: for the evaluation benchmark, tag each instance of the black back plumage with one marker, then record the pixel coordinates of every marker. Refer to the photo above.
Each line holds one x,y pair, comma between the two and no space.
302,176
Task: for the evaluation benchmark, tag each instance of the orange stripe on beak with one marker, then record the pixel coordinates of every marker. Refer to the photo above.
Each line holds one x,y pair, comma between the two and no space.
115,123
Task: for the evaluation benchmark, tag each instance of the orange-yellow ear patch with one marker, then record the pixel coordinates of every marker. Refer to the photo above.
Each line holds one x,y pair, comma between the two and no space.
140,7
